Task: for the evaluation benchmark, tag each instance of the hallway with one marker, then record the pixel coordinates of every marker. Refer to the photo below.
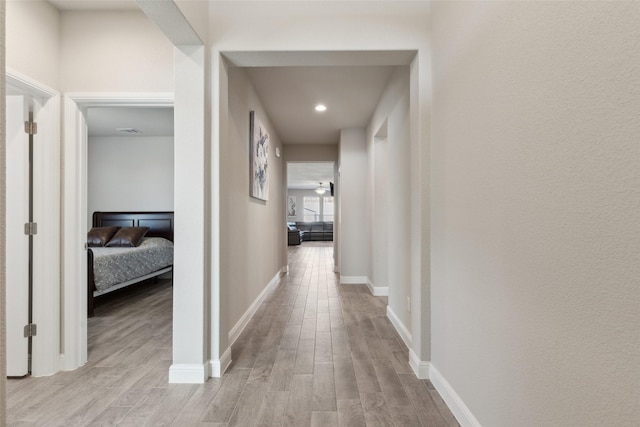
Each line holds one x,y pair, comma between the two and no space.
321,354
314,354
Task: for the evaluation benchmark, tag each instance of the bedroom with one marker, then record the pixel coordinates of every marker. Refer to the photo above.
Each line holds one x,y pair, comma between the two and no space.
130,169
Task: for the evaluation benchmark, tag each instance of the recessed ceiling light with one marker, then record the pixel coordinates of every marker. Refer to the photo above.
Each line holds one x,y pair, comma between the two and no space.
320,108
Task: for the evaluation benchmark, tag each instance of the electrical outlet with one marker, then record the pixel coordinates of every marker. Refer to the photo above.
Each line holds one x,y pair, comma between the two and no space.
409,304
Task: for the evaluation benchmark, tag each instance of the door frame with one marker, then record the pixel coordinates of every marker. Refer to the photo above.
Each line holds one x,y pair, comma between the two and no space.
74,187
46,243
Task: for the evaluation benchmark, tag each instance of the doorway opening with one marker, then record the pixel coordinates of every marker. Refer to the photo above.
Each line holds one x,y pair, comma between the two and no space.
78,109
130,178
311,204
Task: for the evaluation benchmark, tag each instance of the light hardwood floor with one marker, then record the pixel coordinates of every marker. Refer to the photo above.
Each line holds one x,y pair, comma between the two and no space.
315,354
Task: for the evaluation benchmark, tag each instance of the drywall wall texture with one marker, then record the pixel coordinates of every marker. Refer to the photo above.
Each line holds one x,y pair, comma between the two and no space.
309,26
354,238
536,206
33,48
3,281
398,157
392,114
252,236
378,200
129,173
114,51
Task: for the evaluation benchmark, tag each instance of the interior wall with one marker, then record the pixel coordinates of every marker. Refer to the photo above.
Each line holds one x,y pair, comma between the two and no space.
197,14
536,209
392,113
33,42
3,163
377,207
252,240
129,174
310,152
354,239
191,307
300,195
119,51
302,26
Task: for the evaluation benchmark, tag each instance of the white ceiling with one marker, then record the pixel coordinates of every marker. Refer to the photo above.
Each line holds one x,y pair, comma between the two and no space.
289,95
150,121
309,175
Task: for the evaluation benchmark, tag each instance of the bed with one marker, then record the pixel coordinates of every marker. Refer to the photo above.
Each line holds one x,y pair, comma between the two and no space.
113,268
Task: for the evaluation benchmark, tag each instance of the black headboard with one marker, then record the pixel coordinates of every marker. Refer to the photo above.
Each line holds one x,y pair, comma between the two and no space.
160,223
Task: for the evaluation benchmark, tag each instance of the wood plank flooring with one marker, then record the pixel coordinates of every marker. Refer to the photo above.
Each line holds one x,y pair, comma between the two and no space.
315,354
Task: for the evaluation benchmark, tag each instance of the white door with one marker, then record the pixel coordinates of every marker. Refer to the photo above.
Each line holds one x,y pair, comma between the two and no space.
17,243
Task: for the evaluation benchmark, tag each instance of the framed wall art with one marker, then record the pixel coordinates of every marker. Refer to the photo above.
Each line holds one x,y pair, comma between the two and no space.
259,158
291,206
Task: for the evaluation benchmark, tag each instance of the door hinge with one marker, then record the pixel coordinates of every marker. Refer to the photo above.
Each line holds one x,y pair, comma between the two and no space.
31,228
30,128
30,330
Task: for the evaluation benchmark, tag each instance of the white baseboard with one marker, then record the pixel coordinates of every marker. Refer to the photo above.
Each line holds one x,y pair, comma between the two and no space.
62,363
188,374
400,328
452,399
237,329
377,291
353,280
218,367
419,367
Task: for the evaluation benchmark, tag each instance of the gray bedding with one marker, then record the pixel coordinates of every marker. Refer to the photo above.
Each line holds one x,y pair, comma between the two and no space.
112,266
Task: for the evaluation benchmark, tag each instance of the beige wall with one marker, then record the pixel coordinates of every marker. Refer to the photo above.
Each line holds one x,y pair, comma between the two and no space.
3,350
318,26
33,48
85,51
114,52
252,236
536,207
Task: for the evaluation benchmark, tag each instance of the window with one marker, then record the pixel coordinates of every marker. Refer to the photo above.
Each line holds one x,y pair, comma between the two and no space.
327,209
311,209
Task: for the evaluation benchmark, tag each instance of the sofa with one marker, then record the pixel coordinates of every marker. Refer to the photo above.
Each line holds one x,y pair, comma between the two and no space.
309,231
294,236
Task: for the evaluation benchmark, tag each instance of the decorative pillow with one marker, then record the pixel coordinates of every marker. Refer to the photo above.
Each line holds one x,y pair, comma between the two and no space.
99,236
127,237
